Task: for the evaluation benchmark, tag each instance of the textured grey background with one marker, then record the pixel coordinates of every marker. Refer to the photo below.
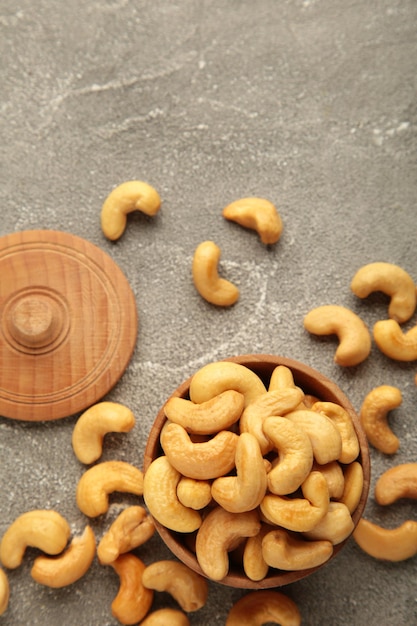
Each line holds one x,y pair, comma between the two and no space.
311,104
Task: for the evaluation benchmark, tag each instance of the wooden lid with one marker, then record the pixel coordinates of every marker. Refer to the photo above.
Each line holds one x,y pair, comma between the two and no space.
68,324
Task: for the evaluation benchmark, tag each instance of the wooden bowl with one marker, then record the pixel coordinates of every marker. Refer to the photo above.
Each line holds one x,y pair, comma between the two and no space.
312,382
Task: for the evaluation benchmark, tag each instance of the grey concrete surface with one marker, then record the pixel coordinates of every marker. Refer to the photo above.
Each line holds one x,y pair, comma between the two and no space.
309,103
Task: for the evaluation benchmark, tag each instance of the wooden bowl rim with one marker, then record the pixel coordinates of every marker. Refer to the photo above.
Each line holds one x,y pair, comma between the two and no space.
311,381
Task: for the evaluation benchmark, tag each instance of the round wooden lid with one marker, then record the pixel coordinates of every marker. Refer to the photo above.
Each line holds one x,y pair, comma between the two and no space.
68,324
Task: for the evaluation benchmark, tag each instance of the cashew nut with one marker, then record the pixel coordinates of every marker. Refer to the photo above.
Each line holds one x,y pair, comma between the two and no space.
162,617
374,417
393,342
299,514
94,424
160,495
207,281
254,565
334,476
132,528
343,422
354,336
352,492
195,494
187,587
259,607
277,402
258,214
214,378
287,552
4,591
336,525
218,534
134,195
68,567
99,481
133,599
281,378
388,544
295,455
392,280
46,530
203,461
397,482
206,418
246,490
325,437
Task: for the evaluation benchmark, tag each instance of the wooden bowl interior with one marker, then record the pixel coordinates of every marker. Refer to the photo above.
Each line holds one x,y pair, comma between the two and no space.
312,382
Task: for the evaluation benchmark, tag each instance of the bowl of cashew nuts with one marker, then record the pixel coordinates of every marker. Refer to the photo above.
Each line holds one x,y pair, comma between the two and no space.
256,471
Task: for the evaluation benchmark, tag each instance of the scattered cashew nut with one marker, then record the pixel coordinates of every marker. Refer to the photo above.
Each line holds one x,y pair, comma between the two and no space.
218,533
133,599
354,336
99,481
94,424
207,281
374,417
397,482
288,552
134,195
388,544
246,490
132,528
392,280
187,587
214,378
206,418
4,591
259,607
162,617
160,495
393,342
46,530
68,567
258,214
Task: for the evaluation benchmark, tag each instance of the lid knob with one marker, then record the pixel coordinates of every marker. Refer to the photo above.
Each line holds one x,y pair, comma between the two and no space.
33,321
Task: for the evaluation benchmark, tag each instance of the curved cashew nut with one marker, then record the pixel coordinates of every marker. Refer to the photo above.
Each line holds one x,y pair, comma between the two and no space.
258,607
299,514
134,195
133,599
324,436
195,494
387,544
132,528
343,422
397,482
254,564
207,281
160,495
99,481
334,476
392,280
393,342
353,488
277,402
214,378
258,214
162,617
336,525
374,417
43,529
218,533
206,418
354,336
94,424
202,461
4,591
287,552
70,566
187,587
295,455
246,490
281,378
